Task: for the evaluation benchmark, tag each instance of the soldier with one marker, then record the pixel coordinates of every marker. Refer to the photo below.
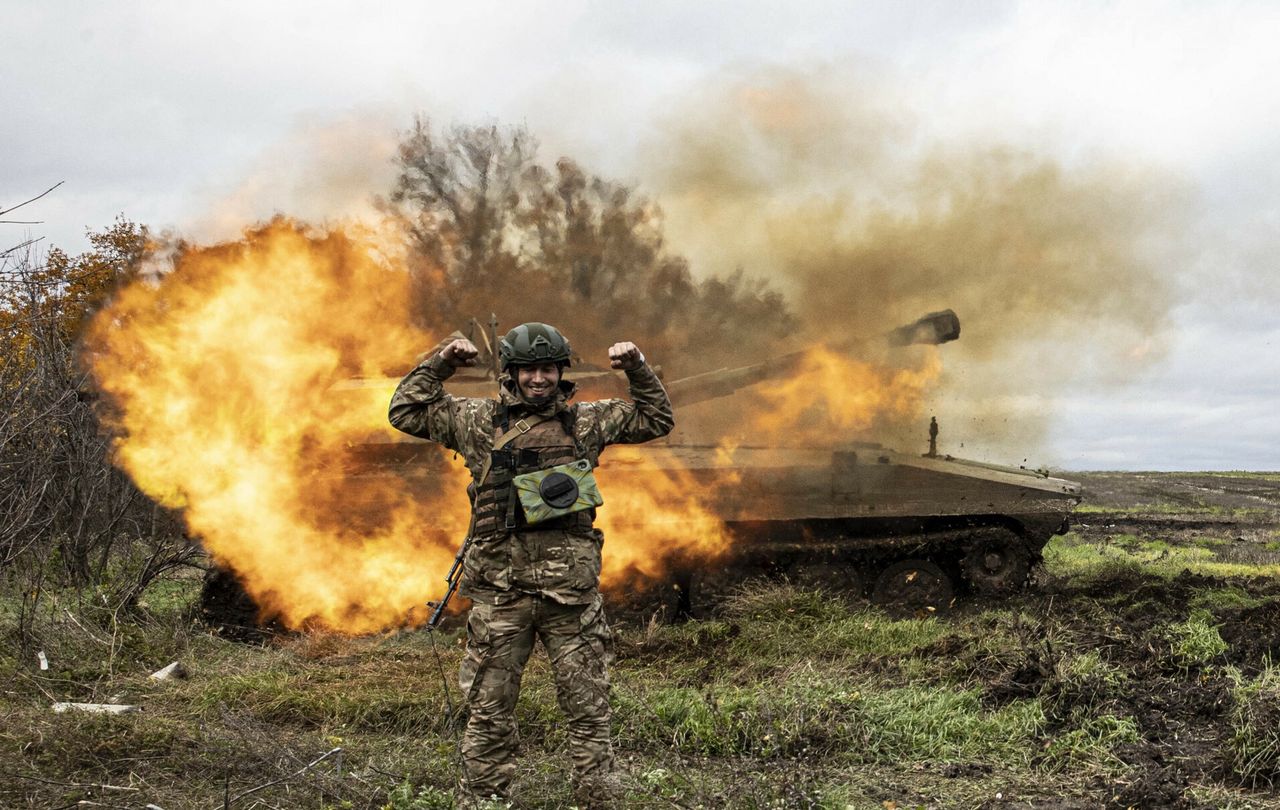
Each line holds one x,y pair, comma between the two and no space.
933,437
528,574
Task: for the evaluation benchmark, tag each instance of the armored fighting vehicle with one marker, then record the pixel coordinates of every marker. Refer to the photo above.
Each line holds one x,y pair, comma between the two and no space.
911,531
862,518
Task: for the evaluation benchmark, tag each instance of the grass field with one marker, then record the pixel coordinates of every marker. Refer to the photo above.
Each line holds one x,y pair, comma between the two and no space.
1138,672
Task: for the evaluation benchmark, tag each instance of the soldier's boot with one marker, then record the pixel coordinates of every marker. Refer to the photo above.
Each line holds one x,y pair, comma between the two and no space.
600,791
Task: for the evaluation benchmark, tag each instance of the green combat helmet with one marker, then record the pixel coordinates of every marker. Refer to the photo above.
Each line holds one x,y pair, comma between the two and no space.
531,343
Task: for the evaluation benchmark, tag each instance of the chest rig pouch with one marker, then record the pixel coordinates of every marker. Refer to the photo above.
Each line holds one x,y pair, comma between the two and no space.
536,477
557,491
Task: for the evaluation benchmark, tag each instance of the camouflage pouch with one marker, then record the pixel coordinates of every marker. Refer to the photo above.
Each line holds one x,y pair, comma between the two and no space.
555,491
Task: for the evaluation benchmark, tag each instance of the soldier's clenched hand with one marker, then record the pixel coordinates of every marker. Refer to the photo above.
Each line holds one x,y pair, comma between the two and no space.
460,352
625,356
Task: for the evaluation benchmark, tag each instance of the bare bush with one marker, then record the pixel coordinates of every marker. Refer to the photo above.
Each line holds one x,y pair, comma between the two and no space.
67,516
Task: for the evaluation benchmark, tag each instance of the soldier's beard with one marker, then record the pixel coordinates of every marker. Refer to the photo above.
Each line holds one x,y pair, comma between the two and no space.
538,402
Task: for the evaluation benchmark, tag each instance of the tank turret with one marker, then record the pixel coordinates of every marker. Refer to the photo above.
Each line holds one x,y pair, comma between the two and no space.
908,530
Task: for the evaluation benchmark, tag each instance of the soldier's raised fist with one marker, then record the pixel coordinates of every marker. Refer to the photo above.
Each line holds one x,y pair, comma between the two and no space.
626,356
459,353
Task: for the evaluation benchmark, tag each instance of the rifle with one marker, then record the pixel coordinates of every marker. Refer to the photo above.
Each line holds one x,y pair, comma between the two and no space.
454,577
455,571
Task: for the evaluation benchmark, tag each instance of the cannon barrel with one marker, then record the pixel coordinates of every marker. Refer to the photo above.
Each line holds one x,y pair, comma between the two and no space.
932,329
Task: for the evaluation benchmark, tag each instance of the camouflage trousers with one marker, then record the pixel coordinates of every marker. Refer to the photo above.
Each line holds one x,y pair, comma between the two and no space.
499,641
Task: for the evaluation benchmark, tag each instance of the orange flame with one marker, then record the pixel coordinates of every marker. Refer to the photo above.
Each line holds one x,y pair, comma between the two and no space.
655,508
831,393
219,373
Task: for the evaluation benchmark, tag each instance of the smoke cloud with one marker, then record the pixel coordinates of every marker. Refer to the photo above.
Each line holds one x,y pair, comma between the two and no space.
865,220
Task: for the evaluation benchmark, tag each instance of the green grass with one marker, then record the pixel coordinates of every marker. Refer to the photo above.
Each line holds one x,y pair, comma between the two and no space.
1162,508
1256,476
406,797
1176,509
770,626
1089,666
1229,598
170,596
1254,746
1092,743
827,719
1094,509
1211,542
1196,641
362,685
1069,557
790,697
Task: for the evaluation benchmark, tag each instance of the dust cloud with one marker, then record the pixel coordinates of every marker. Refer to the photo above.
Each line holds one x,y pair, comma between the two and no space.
865,218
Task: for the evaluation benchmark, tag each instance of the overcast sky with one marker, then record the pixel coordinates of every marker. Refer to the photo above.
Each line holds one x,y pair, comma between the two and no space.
202,117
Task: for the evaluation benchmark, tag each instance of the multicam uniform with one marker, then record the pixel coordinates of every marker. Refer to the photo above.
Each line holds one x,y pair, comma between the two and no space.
530,580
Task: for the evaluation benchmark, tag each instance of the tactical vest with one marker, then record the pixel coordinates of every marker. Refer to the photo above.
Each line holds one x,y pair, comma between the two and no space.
497,508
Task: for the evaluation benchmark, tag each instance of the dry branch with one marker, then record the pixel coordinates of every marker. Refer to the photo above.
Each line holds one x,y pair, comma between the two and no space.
4,211
293,775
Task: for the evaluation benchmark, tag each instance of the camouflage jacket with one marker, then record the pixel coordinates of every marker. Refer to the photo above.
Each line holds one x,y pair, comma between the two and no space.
561,564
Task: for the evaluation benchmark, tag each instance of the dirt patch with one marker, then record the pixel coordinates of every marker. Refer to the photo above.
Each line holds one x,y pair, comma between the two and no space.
1252,635
1182,712
1205,494
1180,724
1151,783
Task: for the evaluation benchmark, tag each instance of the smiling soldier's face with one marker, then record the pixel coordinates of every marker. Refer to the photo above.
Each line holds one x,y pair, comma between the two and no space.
538,381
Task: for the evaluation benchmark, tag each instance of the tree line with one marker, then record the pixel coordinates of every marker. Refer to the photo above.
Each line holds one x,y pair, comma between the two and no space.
494,230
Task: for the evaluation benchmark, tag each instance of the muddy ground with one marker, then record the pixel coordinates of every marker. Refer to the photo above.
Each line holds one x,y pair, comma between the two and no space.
1187,712
1192,554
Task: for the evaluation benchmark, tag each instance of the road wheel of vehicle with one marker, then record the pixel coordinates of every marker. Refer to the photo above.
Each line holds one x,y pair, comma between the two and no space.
834,576
997,564
913,586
